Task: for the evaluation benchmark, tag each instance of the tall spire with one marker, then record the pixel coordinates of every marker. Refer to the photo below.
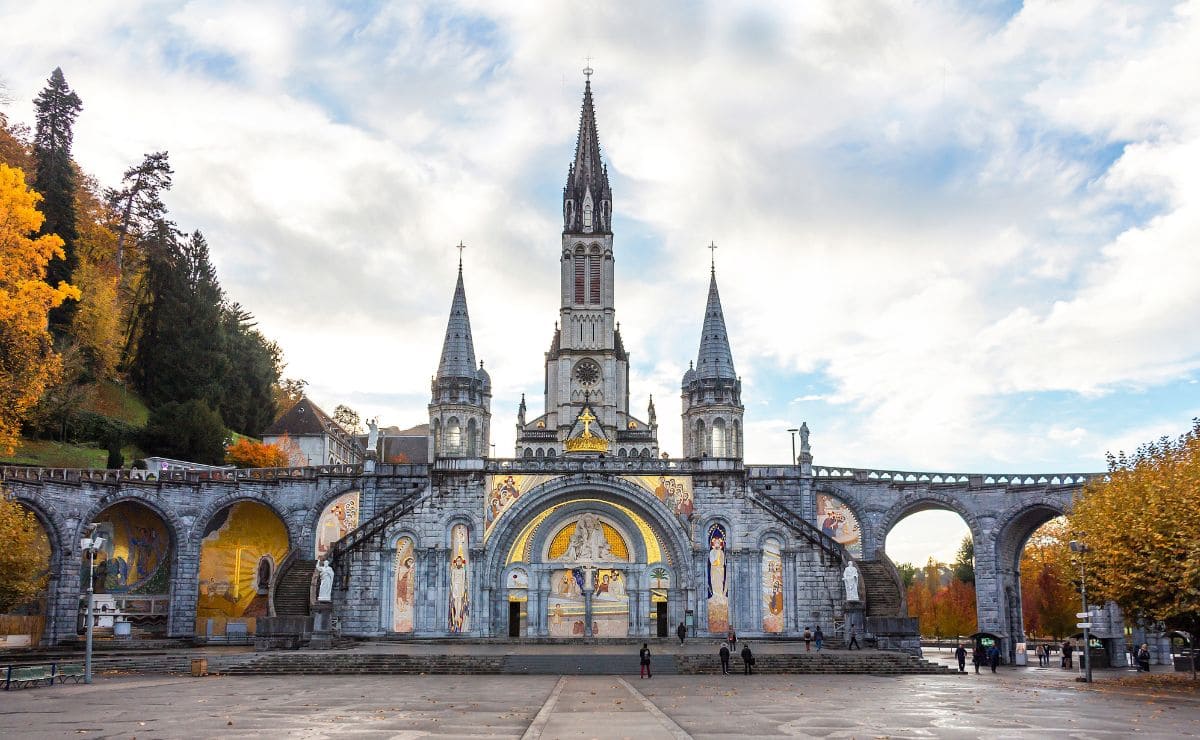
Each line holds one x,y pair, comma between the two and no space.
715,359
458,349
587,197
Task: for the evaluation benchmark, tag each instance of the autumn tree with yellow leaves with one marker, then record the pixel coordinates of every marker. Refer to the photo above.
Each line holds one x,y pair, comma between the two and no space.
28,361
25,557
1142,527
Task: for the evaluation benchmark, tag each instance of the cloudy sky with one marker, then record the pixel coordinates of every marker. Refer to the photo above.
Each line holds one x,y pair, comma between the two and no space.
952,236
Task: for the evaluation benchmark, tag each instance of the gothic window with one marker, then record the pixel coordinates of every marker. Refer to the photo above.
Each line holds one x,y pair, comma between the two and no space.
528,452
701,439
540,453
580,278
718,439
587,216
472,434
594,279
453,436
550,452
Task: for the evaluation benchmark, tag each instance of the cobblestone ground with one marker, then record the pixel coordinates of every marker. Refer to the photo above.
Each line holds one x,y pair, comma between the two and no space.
1011,703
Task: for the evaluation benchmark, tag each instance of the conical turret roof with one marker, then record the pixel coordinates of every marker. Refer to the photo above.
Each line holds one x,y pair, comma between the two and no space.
715,359
458,349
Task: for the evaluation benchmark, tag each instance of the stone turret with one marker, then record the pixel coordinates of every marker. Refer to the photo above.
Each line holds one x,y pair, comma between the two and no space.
712,391
461,392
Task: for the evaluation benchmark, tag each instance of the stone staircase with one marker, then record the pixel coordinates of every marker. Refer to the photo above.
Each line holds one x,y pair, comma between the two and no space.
341,663
294,590
586,664
870,662
883,596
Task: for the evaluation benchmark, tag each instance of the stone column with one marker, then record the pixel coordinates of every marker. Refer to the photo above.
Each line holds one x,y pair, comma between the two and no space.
62,598
185,587
791,584
587,612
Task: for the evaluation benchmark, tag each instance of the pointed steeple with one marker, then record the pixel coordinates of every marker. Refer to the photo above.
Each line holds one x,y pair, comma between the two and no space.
587,197
458,349
715,359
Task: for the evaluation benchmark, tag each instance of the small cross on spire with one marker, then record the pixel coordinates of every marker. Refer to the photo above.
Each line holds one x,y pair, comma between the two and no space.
712,249
460,247
587,70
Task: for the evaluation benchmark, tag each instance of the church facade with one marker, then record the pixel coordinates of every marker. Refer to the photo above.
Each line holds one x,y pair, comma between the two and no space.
588,531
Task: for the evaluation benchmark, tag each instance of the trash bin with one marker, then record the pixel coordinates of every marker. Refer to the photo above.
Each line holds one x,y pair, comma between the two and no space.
199,667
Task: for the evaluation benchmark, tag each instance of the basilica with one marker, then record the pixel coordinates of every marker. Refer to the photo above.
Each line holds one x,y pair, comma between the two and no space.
588,531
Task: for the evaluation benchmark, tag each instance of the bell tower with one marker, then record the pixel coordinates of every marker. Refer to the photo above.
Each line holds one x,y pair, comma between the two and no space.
587,368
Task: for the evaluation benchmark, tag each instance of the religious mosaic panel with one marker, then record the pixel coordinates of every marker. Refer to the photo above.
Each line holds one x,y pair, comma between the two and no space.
660,581
675,491
231,552
837,520
566,606
459,608
136,556
772,586
402,605
503,491
337,520
718,581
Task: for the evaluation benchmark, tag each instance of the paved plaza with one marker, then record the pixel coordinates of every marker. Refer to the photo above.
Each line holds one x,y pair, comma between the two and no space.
1011,703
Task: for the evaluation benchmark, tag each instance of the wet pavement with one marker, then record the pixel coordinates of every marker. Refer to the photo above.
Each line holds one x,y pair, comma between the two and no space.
1011,703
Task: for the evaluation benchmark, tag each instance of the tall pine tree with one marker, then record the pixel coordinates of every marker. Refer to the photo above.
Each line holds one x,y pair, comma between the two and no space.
56,109
179,354
139,201
248,400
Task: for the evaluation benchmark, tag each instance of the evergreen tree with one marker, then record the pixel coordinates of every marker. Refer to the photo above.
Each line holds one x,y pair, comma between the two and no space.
56,109
964,562
179,355
139,201
248,390
190,431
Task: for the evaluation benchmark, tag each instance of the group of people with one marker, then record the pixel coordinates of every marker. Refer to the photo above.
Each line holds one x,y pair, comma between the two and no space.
981,656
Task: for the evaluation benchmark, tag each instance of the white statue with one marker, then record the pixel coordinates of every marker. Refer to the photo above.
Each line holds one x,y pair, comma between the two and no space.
850,578
325,582
587,543
373,434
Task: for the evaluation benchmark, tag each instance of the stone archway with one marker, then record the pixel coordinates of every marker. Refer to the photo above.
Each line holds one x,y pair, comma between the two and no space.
1013,529
524,533
233,542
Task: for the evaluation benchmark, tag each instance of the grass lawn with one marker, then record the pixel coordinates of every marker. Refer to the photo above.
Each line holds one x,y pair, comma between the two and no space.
49,454
118,402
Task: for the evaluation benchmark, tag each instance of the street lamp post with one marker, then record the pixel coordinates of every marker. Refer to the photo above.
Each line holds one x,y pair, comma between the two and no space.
1081,550
90,545
793,431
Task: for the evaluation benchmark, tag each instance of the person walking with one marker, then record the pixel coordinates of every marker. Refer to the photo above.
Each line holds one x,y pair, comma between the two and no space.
818,637
1143,658
732,638
748,659
993,655
1068,649
682,632
853,640
961,655
1037,650
807,640
724,653
644,658
978,657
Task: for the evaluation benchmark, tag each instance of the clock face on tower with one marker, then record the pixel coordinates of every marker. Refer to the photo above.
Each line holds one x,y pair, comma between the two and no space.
587,373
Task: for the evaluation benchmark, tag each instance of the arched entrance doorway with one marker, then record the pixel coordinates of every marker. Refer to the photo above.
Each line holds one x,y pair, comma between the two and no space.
1032,560
24,588
131,573
243,545
575,559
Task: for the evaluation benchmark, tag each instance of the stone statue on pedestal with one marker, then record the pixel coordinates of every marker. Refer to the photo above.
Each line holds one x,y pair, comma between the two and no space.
850,578
325,582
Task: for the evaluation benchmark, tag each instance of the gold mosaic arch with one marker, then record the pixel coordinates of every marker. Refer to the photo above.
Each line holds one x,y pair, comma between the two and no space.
521,548
616,543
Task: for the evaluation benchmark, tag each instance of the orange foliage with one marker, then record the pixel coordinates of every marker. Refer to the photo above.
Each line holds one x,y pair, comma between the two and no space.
28,362
246,453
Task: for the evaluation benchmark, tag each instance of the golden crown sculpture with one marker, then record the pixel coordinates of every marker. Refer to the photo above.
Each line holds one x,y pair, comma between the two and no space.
587,442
